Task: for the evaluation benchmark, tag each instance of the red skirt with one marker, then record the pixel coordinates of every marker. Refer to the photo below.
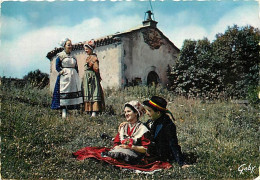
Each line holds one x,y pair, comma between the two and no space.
95,152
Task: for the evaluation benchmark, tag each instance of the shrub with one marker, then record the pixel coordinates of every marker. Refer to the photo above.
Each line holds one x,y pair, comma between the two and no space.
224,68
253,96
37,78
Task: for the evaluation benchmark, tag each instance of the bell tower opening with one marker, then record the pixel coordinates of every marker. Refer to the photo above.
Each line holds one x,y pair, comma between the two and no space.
149,20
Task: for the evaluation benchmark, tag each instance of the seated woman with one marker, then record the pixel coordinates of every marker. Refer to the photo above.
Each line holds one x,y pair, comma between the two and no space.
130,144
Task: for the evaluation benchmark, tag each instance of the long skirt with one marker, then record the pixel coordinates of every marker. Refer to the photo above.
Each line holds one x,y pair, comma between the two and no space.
92,92
67,91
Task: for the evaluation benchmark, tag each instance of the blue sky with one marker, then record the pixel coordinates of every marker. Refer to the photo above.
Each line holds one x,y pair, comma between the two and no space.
29,30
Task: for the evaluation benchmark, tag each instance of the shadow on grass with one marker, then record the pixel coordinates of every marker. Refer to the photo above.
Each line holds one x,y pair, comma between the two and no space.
190,157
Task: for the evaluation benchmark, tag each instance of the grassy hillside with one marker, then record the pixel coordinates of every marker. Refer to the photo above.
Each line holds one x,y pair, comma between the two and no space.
217,137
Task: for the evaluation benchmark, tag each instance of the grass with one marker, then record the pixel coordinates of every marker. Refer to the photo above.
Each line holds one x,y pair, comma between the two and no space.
217,137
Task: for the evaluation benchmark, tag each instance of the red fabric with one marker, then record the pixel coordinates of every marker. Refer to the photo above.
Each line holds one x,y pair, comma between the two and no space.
117,141
144,141
130,132
95,152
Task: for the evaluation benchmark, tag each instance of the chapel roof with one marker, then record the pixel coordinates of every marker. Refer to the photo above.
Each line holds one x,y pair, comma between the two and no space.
79,46
114,38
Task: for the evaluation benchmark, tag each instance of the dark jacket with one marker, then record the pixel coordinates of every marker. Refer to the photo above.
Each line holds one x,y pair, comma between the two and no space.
164,143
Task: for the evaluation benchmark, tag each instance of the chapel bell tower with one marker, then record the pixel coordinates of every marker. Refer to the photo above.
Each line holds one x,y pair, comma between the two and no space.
149,21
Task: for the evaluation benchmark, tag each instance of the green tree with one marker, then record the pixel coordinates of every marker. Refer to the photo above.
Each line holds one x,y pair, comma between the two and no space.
236,56
37,78
193,74
226,67
206,76
182,74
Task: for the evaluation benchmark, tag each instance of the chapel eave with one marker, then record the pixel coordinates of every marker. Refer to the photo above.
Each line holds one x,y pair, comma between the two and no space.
114,38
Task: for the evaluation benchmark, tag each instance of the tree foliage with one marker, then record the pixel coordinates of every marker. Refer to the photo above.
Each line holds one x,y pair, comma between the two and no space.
227,67
236,53
37,78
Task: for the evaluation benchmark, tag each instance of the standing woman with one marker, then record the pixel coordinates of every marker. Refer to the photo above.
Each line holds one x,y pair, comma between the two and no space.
67,91
92,90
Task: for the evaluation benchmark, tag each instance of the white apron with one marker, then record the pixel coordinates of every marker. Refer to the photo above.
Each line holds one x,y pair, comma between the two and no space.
70,85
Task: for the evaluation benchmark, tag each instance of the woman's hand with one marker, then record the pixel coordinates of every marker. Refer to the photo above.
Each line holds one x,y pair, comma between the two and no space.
116,147
90,63
124,146
91,60
186,166
140,149
121,125
62,72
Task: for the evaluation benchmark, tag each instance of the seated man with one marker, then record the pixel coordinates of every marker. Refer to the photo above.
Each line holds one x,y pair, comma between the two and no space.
164,142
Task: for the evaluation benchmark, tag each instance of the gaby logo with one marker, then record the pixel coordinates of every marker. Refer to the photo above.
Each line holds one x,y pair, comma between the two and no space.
244,168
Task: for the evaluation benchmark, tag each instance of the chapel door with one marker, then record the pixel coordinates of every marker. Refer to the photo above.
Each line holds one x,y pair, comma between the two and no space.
152,78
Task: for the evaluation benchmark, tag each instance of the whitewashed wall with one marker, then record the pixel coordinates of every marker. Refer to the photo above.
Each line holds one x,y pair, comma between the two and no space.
140,59
109,56
131,58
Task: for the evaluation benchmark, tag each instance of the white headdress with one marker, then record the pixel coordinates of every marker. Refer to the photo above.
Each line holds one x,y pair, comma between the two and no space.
63,42
91,44
137,106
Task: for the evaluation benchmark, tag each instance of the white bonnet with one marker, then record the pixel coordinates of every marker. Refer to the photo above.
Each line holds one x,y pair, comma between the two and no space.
91,44
137,106
63,41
